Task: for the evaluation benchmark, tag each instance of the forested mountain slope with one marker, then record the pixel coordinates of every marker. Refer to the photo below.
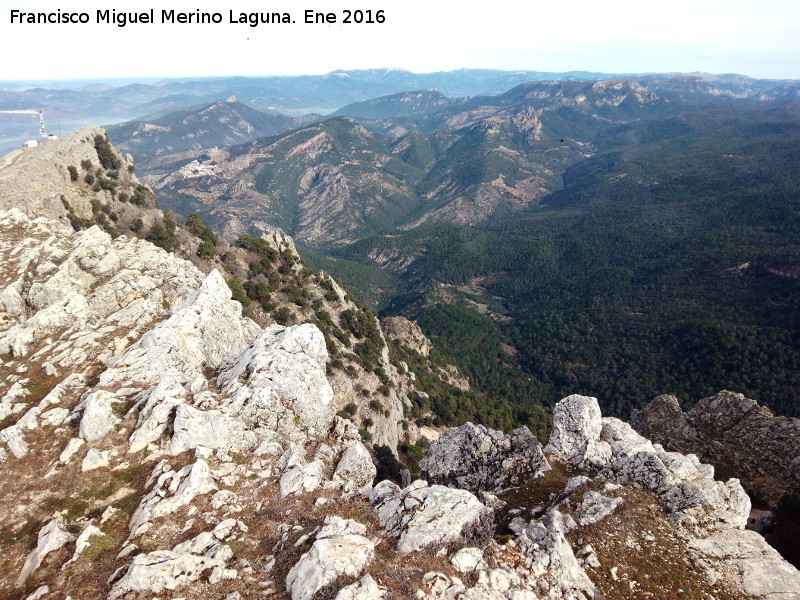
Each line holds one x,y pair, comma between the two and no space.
668,266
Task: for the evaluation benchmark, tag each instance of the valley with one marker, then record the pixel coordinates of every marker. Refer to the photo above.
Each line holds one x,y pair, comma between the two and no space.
537,342
608,221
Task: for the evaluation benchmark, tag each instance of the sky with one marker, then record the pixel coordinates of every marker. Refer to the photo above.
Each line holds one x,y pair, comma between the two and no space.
759,39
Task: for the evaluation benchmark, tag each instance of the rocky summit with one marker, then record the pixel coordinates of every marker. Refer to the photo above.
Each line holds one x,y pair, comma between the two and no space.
157,443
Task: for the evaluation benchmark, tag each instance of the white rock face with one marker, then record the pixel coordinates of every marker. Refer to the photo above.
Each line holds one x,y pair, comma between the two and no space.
761,571
200,333
71,448
475,458
160,401
467,560
577,425
40,592
54,416
95,459
300,478
83,283
193,428
162,570
339,549
550,555
51,537
426,517
283,363
191,481
622,439
98,416
355,472
365,588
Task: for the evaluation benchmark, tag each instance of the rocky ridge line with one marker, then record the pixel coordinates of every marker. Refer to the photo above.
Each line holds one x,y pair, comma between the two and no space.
724,429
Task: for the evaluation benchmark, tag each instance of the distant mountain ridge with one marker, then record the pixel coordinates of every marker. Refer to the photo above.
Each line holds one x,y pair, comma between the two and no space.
419,158
223,123
402,104
69,107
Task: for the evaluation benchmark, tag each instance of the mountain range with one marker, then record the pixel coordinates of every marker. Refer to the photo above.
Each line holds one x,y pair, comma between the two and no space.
182,414
71,104
631,237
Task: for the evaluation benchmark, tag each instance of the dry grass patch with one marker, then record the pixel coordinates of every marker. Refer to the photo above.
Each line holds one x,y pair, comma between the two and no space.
650,558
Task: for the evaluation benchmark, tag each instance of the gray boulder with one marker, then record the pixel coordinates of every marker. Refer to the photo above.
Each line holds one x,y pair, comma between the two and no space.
577,424
162,570
340,549
595,507
356,471
98,416
475,458
430,517
51,537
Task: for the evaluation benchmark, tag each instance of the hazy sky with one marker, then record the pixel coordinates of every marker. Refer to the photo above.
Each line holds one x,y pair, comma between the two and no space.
760,39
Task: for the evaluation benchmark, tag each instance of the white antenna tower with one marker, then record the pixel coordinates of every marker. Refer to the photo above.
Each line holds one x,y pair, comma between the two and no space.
42,128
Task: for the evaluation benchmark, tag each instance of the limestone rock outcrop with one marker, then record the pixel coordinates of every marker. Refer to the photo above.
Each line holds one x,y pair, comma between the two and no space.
340,549
475,458
407,333
430,517
760,570
550,555
51,537
704,509
724,429
577,424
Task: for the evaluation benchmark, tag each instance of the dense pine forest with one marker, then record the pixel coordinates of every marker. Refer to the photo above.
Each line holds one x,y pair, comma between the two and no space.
666,263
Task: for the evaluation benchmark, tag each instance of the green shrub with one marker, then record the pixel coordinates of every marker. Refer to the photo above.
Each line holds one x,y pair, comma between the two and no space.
104,152
258,291
283,315
238,292
73,173
388,467
163,235
259,246
786,530
206,249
